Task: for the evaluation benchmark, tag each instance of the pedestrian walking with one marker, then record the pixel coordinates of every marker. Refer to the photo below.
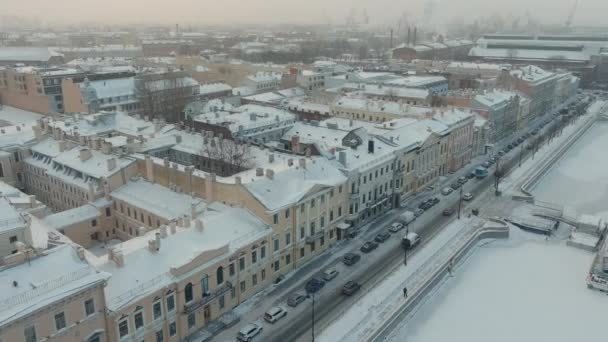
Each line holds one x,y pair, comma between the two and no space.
405,292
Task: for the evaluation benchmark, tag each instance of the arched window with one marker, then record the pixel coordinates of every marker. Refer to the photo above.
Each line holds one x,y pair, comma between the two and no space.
220,275
205,285
188,293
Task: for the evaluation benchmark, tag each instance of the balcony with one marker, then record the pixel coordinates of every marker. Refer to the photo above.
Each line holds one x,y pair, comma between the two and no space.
318,235
196,304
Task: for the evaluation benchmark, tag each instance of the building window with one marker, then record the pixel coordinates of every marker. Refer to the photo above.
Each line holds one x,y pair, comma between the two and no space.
233,292
159,335
302,252
205,285
220,275
30,334
231,270
287,238
262,252
123,328
138,318
287,213
243,286
254,256
275,218
288,259
312,228
12,239
322,240
89,307
188,294
157,310
170,302
276,245
172,329
60,321
302,232
94,223
312,203
277,265
254,279
191,320
242,263
108,212
263,275
322,221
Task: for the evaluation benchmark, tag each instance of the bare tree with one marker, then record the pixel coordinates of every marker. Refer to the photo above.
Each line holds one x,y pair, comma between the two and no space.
226,157
164,95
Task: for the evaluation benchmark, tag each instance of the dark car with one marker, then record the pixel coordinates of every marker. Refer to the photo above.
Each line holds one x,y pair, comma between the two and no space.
448,211
471,175
455,185
487,164
369,246
314,285
381,237
510,146
350,259
350,288
520,140
434,200
462,180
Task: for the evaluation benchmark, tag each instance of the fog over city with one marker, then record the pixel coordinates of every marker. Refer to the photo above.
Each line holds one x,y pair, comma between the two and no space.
230,12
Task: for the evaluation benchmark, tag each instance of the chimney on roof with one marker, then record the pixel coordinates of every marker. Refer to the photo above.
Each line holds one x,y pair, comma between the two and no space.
198,223
302,163
80,252
106,147
163,231
269,174
178,139
111,163
85,154
290,162
342,157
238,180
187,221
370,146
271,158
259,172
209,184
119,258
308,152
63,145
172,226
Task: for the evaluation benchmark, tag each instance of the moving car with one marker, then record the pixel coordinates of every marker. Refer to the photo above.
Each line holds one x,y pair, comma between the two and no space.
249,332
410,240
369,246
471,175
468,196
462,180
446,191
295,298
274,314
350,259
381,237
330,274
314,285
455,186
448,211
350,288
418,212
397,226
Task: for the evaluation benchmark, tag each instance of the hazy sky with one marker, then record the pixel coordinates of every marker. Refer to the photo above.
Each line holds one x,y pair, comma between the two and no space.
386,12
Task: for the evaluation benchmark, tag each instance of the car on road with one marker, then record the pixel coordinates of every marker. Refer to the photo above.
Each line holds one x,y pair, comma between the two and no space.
510,146
468,196
330,274
520,140
434,200
350,259
314,285
429,188
381,237
487,164
462,180
501,153
535,132
397,226
471,175
368,246
249,331
448,211
426,205
455,186
350,288
418,212
410,240
274,314
295,298
446,191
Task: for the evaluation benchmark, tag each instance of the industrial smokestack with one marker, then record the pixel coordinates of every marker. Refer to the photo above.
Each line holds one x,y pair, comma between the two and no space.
415,32
391,38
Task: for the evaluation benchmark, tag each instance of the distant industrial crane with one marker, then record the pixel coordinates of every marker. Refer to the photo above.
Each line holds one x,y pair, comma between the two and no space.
571,14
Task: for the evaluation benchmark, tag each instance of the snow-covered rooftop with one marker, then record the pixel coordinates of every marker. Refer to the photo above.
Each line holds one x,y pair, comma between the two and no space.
388,107
212,88
112,88
416,81
382,90
14,116
225,230
156,199
27,54
72,216
495,98
247,117
44,280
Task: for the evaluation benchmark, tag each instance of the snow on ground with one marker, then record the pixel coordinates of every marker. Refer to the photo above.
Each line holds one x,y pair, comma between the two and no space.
529,290
13,116
102,248
368,310
579,179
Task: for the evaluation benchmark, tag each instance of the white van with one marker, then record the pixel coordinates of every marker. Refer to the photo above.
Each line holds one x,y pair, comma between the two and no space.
407,217
410,240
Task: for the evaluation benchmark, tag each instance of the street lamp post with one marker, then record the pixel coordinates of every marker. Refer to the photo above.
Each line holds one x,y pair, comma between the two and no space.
521,152
460,201
313,315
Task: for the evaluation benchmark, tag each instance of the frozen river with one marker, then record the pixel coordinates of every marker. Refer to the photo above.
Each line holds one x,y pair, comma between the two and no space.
528,291
580,178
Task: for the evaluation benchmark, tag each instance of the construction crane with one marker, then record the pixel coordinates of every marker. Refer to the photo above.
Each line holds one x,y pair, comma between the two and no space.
571,14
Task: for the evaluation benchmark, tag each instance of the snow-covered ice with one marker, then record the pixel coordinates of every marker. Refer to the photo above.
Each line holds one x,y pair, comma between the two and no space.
529,290
579,179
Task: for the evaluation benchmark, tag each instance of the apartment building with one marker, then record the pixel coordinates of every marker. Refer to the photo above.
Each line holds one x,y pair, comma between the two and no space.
15,142
92,96
460,123
35,89
410,96
263,81
358,108
503,108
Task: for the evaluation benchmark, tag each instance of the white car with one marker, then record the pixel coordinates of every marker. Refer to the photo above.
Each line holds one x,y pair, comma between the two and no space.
468,196
446,191
249,332
274,314
330,274
395,227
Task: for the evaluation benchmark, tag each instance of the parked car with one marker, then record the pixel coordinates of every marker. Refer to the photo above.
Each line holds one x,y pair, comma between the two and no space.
407,216
455,186
295,298
274,314
350,288
427,205
397,226
418,212
314,285
501,153
350,259
248,332
468,196
471,175
462,180
446,191
330,274
510,146
448,211
429,188
369,246
434,200
410,240
381,237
